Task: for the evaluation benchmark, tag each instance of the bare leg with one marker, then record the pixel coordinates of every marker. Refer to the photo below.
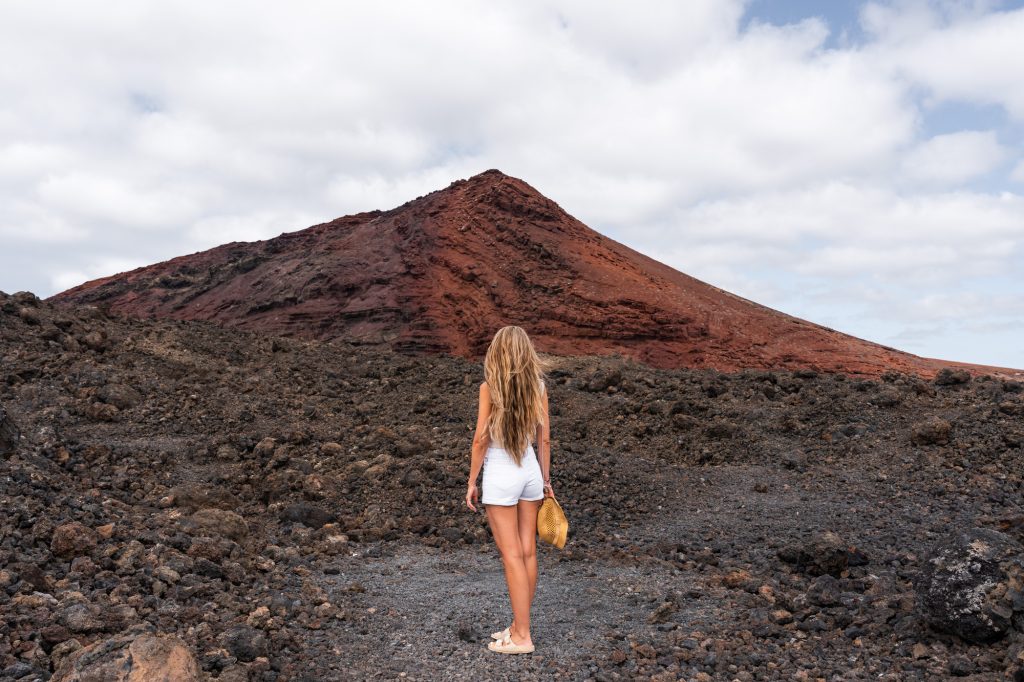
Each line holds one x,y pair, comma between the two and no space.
528,539
527,512
505,528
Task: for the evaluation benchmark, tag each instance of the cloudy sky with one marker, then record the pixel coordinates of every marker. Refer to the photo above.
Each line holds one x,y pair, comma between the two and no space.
861,168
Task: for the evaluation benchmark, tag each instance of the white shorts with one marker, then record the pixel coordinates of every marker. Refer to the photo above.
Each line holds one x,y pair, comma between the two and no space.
505,483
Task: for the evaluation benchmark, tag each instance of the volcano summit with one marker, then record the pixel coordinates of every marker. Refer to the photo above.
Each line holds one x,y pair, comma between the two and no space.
441,273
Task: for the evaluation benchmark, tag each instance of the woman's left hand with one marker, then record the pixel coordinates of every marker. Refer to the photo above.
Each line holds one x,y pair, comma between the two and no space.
472,495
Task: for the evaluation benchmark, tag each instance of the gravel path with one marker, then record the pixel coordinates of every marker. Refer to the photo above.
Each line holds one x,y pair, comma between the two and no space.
434,611
423,613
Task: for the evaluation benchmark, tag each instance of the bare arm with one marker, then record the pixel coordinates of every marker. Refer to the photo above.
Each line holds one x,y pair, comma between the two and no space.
544,441
481,438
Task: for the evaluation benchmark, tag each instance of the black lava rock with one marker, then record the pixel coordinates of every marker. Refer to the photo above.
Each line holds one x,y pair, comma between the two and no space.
9,434
966,585
245,643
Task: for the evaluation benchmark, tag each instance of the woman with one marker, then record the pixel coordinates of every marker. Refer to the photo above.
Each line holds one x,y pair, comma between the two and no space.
513,410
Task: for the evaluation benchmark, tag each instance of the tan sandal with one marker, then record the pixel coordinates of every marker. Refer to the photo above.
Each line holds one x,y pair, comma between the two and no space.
503,634
506,646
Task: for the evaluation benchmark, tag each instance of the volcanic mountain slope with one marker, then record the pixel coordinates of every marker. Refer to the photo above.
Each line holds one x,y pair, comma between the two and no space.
441,273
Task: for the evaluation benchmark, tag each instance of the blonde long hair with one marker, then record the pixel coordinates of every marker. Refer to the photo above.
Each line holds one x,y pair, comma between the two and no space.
515,379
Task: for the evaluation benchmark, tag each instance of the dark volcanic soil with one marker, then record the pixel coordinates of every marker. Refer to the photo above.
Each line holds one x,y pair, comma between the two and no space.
292,510
440,273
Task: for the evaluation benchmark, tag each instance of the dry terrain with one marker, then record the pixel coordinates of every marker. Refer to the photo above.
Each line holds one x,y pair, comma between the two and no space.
232,505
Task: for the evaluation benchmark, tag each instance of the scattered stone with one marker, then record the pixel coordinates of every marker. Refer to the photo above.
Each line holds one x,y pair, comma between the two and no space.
17,671
217,523
332,449
951,376
825,553
95,340
121,396
451,534
102,412
734,579
29,316
130,658
932,431
603,380
62,650
245,643
824,591
307,514
72,539
795,460
961,666
9,434
663,613
722,429
82,617
469,632
782,616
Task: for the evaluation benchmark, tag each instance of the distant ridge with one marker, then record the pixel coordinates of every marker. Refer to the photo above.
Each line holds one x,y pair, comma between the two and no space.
441,273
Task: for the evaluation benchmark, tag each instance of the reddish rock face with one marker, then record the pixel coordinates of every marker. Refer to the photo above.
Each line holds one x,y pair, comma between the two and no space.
442,273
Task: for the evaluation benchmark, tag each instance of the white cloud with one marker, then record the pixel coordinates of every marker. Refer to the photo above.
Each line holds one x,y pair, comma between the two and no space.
216,230
735,154
839,212
970,55
650,42
1017,175
369,191
115,200
954,158
21,160
964,305
101,267
26,222
906,20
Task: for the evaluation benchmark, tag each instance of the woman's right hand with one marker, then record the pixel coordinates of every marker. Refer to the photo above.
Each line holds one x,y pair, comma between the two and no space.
548,491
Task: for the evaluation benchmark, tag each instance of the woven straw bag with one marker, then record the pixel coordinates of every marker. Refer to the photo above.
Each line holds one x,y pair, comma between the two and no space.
552,526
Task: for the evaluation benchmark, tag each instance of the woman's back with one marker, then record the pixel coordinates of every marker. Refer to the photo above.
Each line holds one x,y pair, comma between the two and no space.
531,431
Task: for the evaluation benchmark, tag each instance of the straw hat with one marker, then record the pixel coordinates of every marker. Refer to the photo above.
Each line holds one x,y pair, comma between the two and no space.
552,526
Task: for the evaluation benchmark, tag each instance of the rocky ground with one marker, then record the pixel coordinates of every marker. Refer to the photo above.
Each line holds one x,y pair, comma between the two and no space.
226,505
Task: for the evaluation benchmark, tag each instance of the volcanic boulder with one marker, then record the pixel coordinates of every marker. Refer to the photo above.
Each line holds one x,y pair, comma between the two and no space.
952,376
972,585
72,539
245,643
931,431
823,554
131,658
216,523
